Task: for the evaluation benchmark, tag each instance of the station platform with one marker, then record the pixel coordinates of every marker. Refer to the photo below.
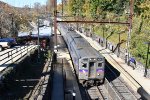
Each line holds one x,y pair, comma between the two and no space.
71,88
134,78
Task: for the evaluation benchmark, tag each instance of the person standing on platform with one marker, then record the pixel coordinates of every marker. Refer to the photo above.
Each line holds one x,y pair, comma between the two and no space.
131,62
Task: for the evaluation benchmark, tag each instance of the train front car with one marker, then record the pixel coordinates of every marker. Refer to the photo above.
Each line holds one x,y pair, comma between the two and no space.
91,69
88,63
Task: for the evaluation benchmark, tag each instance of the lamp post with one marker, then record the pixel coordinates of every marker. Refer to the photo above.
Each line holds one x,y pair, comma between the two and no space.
38,41
55,24
146,65
129,28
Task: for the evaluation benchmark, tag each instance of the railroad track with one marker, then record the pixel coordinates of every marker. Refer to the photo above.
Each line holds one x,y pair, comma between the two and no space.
98,93
120,86
117,84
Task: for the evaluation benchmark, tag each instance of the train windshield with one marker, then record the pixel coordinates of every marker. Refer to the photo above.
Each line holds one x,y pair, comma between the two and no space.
84,65
99,64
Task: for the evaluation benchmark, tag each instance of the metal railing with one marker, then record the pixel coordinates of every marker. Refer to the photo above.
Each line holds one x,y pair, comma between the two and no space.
10,56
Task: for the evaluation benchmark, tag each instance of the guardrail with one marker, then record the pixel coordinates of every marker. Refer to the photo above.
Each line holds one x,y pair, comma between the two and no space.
10,56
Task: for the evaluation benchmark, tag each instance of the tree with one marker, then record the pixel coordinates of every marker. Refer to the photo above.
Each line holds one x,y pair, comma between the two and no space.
37,6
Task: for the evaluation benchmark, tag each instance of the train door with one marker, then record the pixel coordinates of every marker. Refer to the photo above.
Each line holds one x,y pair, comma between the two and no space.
92,69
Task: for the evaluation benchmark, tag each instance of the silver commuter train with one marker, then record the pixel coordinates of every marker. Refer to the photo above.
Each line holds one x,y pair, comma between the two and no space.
88,63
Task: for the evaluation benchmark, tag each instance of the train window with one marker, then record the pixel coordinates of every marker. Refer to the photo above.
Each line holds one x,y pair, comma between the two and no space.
99,64
84,65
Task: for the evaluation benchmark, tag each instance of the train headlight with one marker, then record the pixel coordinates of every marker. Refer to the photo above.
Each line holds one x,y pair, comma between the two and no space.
84,65
98,74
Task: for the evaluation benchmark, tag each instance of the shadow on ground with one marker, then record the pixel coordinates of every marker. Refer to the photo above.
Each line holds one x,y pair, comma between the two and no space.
110,71
20,83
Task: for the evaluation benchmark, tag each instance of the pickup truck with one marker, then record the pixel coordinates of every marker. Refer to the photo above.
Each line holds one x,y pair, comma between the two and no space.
6,43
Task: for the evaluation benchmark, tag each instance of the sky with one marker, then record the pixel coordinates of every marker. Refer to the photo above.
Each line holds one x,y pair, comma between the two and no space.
21,3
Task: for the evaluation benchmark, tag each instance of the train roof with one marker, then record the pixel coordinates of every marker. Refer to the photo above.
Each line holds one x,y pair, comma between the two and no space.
83,48
75,35
89,52
78,41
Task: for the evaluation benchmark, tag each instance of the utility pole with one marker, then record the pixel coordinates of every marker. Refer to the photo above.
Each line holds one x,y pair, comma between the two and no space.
1,24
0,28
55,24
62,7
0,32
38,42
130,29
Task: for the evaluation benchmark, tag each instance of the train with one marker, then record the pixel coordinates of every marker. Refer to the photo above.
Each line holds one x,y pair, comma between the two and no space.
88,63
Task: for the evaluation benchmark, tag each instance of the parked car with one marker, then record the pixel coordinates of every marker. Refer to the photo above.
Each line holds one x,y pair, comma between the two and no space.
12,41
6,43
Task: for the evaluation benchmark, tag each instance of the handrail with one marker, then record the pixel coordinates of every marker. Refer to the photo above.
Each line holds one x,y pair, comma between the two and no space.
14,54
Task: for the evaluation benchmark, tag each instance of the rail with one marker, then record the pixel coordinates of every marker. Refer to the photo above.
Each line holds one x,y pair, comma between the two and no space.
113,94
120,87
10,56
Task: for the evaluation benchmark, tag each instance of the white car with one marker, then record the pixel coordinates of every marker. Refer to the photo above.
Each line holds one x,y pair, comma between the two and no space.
4,44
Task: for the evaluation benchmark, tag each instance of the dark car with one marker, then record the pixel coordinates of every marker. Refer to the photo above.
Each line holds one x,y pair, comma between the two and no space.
12,41
7,43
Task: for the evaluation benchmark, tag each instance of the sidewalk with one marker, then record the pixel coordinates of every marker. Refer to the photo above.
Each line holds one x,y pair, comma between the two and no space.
121,66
